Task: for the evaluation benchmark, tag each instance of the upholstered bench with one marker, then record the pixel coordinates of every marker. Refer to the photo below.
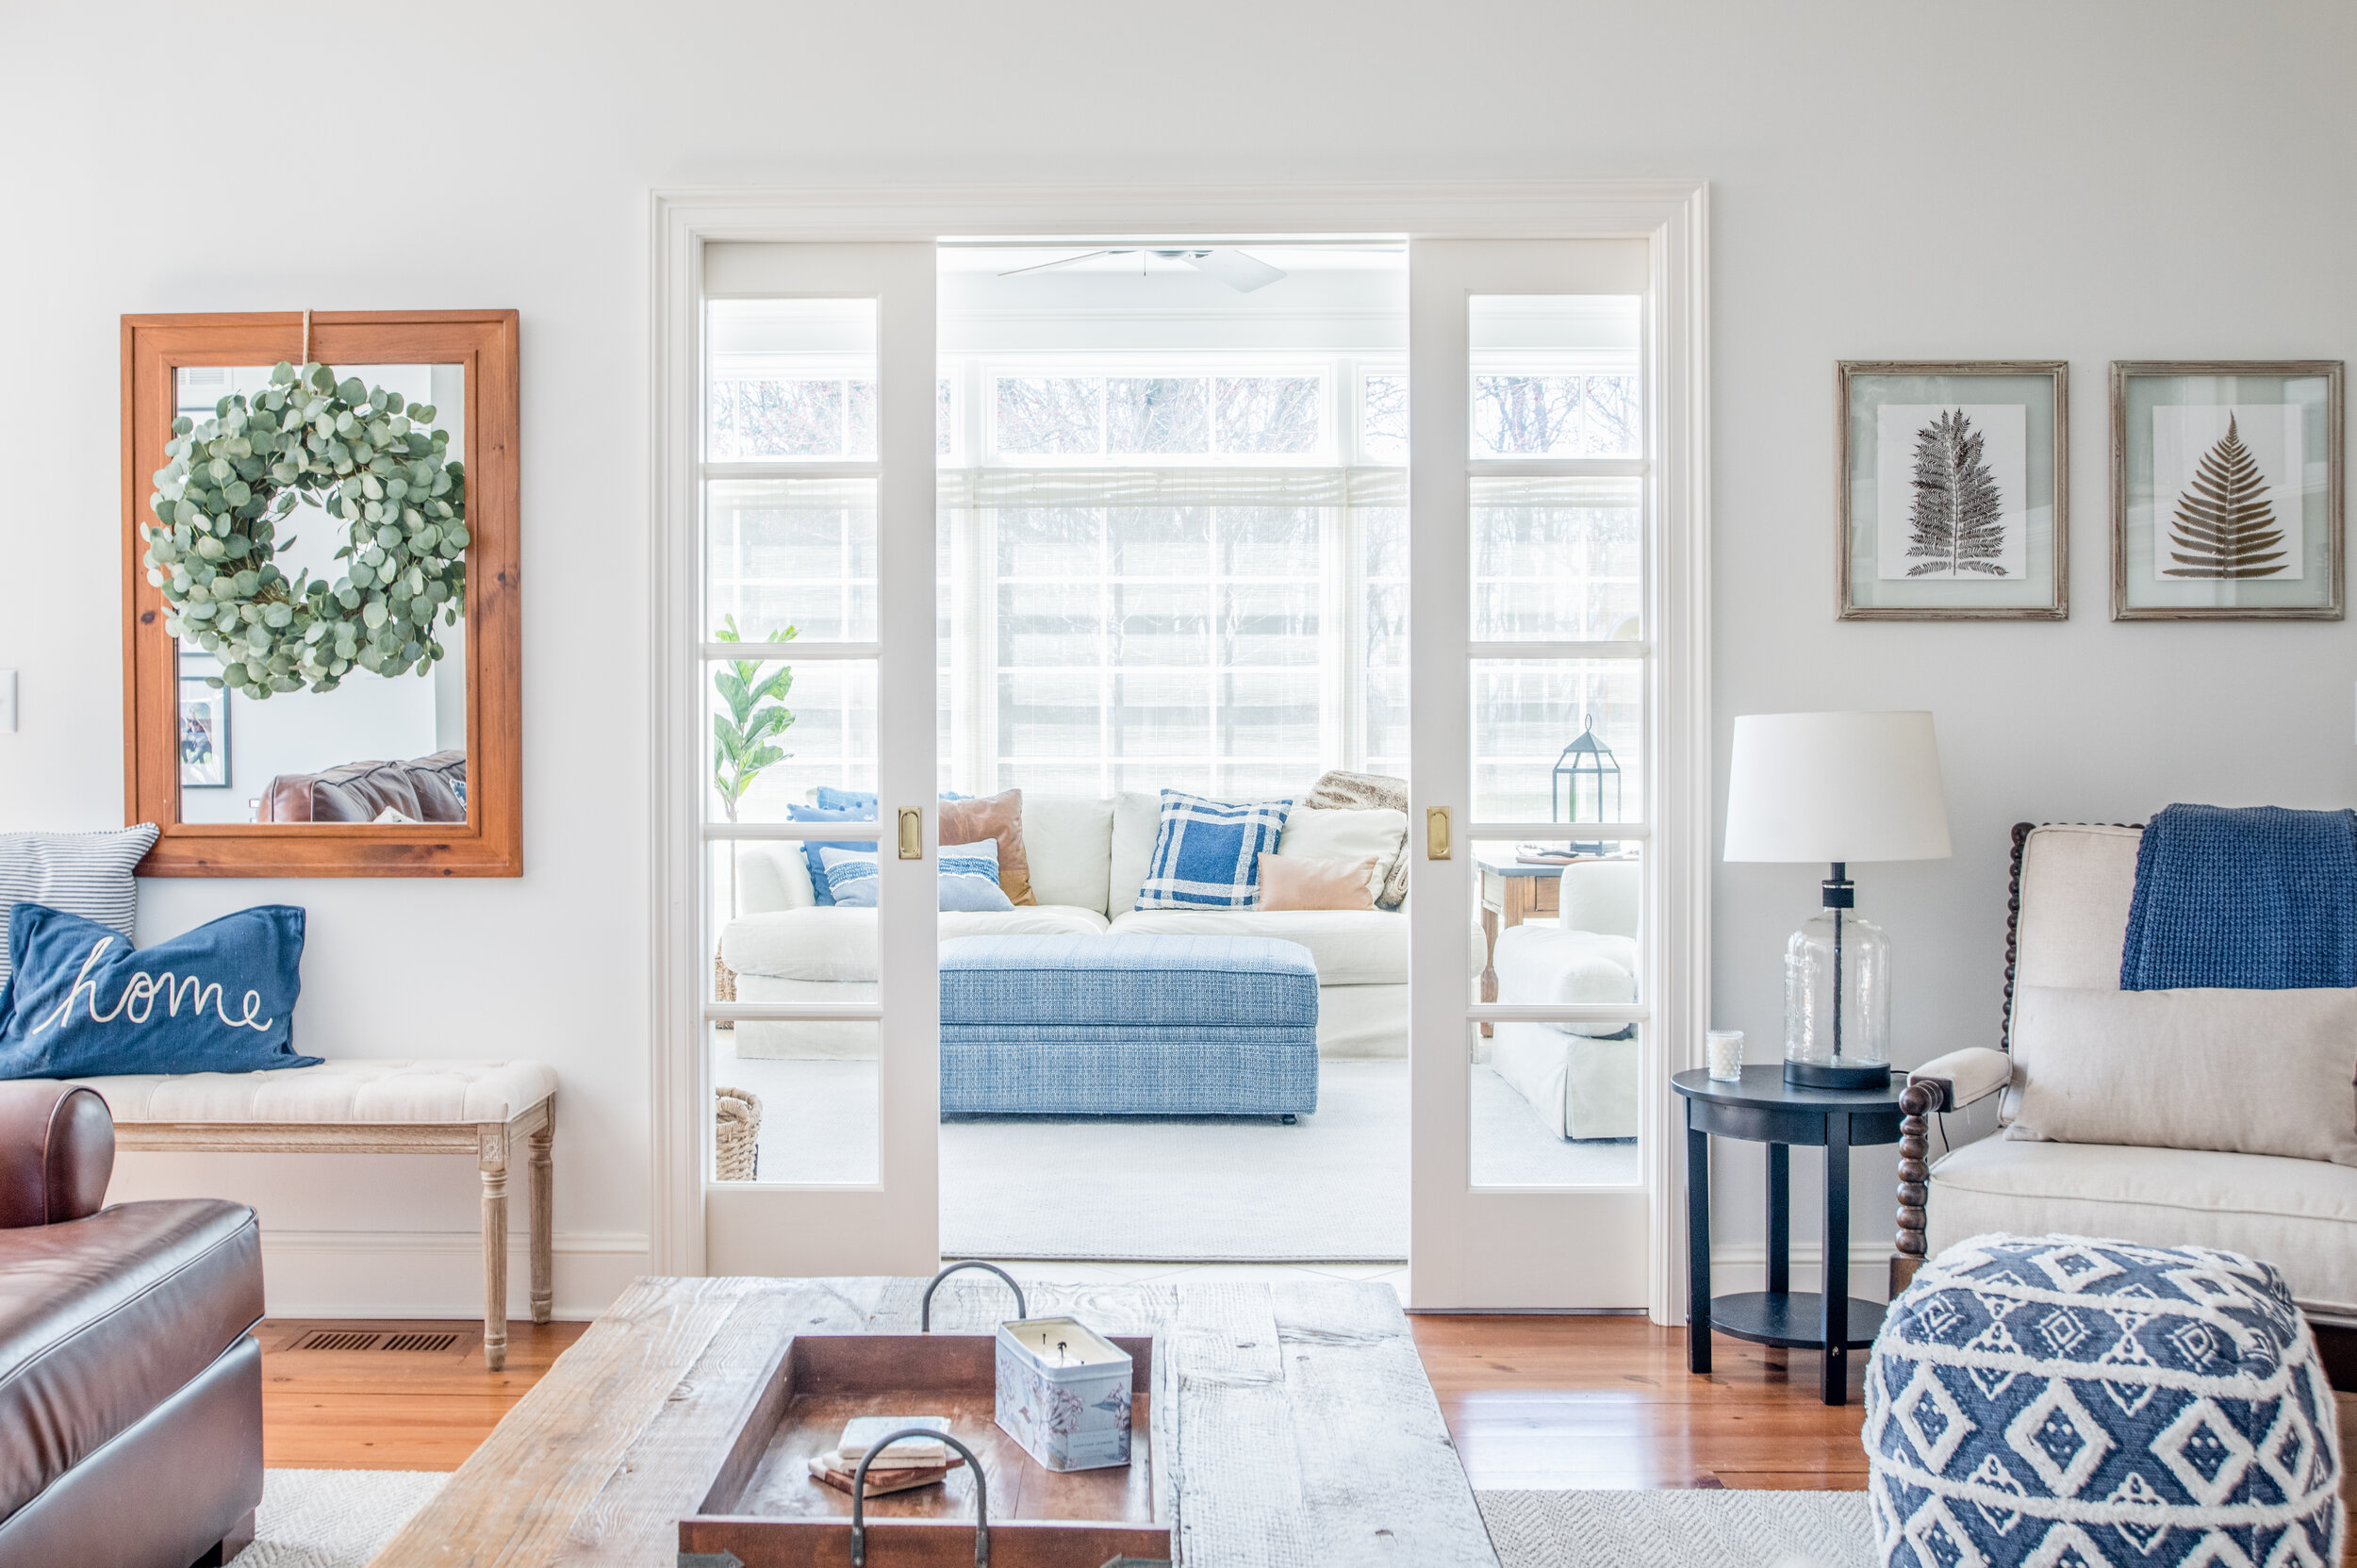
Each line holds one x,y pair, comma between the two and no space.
352,1106
1128,1026
2057,1399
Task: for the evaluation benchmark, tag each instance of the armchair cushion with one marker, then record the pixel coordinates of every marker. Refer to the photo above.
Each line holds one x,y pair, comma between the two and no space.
1965,1076
2246,1072
2298,1214
57,1153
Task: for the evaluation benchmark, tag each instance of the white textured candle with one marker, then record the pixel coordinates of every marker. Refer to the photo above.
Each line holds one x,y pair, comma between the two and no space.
1726,1054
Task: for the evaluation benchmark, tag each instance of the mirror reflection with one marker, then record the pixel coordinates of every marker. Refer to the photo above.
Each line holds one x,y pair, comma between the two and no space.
374,747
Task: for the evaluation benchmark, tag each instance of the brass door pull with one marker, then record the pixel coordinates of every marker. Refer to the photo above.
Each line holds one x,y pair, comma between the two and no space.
912,833
1436,833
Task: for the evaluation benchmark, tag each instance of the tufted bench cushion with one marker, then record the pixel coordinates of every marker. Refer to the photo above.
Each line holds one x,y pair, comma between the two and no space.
2058,1399
346,1092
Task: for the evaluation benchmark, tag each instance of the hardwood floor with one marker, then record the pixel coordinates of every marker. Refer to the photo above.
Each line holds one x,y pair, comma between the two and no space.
374,1402
1533,1402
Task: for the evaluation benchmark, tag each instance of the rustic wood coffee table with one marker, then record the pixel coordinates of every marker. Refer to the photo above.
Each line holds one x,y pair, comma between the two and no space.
1296,1426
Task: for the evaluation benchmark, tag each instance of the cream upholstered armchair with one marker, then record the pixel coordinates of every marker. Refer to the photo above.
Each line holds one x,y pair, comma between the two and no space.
2142,1180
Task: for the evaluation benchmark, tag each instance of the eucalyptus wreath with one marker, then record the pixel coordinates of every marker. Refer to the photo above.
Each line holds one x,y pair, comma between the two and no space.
376,464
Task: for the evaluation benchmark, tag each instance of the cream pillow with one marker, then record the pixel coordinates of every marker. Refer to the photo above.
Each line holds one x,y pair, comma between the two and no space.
1300,883
2250,1072
1324,832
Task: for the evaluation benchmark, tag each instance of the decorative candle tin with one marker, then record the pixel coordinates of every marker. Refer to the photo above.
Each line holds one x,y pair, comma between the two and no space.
1063,1394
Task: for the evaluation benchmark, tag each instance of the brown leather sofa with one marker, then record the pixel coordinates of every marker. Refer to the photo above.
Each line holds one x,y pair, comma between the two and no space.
424,789
130,1381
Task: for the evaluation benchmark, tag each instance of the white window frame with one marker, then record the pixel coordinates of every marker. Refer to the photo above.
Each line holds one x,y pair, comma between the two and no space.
1671,215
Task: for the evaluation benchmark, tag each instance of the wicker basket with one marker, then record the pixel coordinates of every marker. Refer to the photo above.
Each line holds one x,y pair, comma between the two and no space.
723,980
737,1136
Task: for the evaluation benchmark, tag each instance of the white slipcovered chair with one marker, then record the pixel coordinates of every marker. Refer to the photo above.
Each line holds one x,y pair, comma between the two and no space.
1581,1078
2072,884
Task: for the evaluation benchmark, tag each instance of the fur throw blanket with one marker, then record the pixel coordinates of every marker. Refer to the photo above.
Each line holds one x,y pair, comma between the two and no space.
1340,791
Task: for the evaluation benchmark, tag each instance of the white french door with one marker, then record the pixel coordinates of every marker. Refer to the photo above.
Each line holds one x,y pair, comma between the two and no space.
1516,651
818,501
1532,607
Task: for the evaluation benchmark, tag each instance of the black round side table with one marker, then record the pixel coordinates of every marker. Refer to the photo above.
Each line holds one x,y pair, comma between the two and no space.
1764,1109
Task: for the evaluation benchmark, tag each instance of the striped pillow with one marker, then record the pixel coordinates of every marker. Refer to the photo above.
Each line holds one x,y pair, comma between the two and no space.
83,873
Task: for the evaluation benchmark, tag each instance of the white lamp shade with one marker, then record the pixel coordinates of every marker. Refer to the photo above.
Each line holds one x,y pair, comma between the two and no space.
1828,786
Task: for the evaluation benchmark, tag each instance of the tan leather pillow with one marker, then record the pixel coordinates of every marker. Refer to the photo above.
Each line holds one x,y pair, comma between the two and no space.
2250,1072
1302,881
998,816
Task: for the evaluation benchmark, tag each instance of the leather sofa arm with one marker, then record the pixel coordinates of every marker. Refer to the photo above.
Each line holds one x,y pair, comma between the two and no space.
1961,1077
57,1153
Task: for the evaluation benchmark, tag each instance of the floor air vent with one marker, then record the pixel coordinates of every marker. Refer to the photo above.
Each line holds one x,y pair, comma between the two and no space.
339,1339
421,1344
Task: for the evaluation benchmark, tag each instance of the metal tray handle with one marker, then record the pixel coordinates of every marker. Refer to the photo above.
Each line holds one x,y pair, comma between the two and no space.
925,1315
982,1489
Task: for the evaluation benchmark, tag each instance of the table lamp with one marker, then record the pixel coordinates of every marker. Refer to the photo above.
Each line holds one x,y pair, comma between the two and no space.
1835,788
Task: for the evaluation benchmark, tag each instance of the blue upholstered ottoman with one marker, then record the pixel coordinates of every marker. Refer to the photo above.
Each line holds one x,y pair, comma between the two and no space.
2056,1400
1128,1026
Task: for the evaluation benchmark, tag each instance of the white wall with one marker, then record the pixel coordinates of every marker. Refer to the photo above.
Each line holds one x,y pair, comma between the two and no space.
2165,178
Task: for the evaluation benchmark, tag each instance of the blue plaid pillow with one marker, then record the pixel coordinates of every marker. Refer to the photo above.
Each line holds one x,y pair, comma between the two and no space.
969,877
1208,853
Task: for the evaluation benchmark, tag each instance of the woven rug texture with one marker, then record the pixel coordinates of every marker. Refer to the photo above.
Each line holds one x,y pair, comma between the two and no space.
333,1518
1700,1528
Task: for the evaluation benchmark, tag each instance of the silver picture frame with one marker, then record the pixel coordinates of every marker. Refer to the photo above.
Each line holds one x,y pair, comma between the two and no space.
1891,417
2246,538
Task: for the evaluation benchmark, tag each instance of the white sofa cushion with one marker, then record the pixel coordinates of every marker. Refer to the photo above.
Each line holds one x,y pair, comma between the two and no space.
1350,947
839,943
1137,822
1580,1088
2297,1215
772,876
1067,839
1319,833
345,1090
1548,964
2250,1072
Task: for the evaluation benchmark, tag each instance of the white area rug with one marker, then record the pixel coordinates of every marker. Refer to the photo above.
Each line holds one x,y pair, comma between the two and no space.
333,1518
1183,1189
1701,1528
342,1518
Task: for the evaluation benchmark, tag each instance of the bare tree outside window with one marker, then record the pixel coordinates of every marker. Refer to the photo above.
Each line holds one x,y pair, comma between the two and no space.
1159,415
1268,413
1051,415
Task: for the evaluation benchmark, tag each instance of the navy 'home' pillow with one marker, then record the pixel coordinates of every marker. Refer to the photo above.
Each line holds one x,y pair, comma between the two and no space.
82,1003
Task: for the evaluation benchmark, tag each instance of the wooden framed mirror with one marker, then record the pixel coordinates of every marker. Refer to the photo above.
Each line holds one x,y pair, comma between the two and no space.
342,771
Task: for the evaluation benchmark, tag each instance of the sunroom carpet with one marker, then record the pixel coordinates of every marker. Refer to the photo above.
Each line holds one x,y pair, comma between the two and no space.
1185,1189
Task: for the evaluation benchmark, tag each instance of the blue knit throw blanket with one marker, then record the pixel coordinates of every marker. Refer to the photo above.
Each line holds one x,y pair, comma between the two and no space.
2247,898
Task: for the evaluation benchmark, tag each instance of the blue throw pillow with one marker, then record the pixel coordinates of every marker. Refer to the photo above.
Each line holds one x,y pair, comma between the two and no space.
82,1003
969,877
832,799
1207,854
864,814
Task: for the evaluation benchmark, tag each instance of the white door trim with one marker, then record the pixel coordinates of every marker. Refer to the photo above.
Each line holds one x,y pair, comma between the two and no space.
1670,214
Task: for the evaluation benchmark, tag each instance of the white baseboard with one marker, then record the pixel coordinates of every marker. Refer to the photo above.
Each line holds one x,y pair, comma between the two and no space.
1737,1269
435,1273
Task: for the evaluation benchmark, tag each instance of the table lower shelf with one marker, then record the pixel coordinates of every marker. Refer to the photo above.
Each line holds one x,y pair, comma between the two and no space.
1790,1318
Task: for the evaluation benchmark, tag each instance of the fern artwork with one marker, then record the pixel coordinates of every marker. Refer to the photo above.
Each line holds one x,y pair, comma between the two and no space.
1957,523
753,715
2225,526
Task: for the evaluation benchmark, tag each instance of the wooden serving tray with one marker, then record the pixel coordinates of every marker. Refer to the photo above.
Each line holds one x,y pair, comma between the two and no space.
765,1507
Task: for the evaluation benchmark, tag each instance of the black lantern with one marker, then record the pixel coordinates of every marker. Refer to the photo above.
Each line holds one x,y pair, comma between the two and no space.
1581,774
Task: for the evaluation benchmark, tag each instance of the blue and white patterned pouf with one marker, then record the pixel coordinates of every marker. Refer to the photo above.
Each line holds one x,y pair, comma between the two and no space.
2061,1402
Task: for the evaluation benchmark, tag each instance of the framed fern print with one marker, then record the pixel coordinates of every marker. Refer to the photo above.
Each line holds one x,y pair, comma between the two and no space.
1950,493
2226,490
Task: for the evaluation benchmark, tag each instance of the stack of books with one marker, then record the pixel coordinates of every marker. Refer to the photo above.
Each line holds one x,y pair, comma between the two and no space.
913,1461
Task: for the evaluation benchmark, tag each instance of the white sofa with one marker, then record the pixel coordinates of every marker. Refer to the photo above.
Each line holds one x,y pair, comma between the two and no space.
2073,885
1580,1081
1088,857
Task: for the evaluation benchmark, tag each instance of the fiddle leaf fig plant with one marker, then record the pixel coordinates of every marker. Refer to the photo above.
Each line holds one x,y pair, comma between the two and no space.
373,463
741,737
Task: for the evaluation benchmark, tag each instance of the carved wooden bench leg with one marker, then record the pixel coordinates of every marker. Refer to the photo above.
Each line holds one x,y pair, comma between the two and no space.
543,1216
492,1160
1915,1103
